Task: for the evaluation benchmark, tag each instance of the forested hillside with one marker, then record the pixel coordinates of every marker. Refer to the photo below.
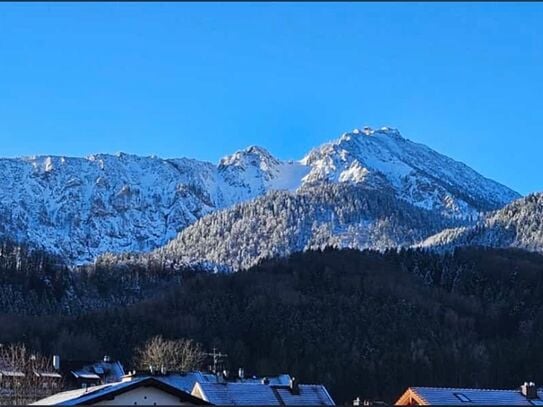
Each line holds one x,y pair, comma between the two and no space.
280,223
33,282
516,225
364,323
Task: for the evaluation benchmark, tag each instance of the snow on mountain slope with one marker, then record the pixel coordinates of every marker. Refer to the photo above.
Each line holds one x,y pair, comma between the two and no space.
80,208
517,225
417,174
253,171
279,223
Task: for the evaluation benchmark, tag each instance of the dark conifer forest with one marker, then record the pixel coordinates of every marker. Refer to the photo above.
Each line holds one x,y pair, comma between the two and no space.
365,324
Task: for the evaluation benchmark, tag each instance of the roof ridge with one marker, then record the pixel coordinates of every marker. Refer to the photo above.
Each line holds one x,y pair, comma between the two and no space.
463,388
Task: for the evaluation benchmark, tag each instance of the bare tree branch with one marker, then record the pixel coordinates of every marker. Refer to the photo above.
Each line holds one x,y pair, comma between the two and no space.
180,354
28,375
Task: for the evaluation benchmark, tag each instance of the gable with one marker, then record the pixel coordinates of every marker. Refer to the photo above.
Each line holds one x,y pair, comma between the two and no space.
144,396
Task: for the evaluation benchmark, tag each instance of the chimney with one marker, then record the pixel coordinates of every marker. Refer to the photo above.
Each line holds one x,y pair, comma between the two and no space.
241,373
529,390
294,386
56,362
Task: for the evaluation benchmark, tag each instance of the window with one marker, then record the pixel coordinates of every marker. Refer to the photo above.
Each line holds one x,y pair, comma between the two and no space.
462,397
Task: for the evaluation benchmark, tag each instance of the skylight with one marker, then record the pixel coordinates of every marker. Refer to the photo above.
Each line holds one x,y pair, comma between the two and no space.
462,397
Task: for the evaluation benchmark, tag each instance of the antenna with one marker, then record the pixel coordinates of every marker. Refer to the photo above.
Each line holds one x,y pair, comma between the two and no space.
217,358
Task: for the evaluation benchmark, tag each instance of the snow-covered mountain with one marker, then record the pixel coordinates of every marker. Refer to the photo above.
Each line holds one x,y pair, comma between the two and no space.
339,215
417,174
517,225
80,208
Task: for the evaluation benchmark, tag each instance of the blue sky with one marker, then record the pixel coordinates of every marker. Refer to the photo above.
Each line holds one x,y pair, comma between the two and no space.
204,80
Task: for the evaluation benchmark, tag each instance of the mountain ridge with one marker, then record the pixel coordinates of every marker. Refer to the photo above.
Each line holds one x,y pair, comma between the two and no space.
517,225
79,208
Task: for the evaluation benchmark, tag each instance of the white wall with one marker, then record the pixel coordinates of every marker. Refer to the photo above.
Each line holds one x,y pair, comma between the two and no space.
143,396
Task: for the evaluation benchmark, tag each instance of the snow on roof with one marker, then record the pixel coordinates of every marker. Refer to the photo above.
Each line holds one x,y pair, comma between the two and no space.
259,394
186,380
91,394
48,374
84,374
11,373
283,379
109,371
98,369
460,396
72,397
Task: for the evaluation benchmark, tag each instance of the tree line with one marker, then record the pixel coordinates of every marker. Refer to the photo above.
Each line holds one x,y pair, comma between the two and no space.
364,323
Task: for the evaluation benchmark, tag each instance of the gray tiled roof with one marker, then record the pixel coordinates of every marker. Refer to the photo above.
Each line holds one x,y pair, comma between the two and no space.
310,394
238,394
454,396
258,394
249,392
186,381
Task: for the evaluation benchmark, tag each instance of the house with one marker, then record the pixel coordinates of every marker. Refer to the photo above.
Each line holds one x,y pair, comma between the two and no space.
186,380
20,385
263,394
526,395
81,374
226,389
139,391
194,388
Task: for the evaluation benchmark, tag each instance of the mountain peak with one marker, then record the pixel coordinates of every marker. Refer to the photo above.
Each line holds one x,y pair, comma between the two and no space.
383,158
369,135
252,155
369,131
257,150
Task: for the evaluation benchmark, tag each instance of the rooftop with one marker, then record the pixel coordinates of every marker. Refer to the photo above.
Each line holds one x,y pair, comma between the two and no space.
259,394
95,394
463,396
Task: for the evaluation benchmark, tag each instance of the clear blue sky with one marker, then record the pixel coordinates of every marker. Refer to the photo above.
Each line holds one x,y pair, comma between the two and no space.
203,80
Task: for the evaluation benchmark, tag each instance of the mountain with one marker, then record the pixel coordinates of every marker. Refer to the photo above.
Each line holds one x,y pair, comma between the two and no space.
417,174
279,223
517,225
80,208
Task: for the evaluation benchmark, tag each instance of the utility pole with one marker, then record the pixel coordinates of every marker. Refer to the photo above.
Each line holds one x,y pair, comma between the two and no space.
217,358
